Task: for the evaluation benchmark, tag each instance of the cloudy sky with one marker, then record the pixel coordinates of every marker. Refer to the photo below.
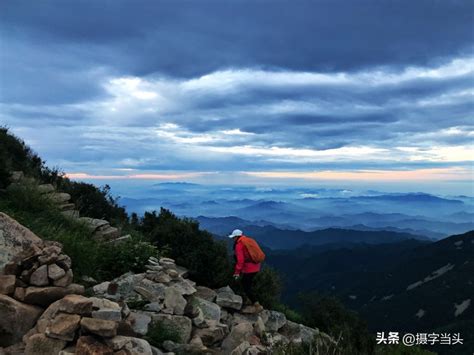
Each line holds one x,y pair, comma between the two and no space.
231,91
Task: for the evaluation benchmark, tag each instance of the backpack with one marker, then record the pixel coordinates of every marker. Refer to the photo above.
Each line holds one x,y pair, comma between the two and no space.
256,254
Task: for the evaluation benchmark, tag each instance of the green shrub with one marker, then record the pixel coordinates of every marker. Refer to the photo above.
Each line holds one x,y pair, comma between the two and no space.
267,287
206,259
158,332
330,316
130,255
94,202
15,155
290,314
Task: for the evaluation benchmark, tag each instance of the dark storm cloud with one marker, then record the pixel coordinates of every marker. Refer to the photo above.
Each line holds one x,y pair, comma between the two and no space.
184,38
239,85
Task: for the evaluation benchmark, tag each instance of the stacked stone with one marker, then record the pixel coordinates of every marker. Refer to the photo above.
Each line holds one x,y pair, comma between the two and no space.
39,275
207,321
102,230
80,325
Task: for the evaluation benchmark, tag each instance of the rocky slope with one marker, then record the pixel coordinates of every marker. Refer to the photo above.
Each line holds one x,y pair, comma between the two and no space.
44,312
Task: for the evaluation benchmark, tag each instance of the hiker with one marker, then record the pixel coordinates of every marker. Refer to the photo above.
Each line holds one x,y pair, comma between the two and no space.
249,257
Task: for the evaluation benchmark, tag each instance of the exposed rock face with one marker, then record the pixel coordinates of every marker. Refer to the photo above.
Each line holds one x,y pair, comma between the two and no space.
14,238
16,319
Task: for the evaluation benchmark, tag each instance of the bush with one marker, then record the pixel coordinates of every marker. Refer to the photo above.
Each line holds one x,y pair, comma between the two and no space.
95,202
130,255
267,288
16,155
329,315
206,259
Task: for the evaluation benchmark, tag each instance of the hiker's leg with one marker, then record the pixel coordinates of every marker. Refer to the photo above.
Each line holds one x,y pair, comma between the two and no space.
247,283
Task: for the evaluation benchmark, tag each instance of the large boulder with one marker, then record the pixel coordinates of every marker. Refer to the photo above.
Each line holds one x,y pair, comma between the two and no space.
14,238
88,345
44,296
213,334
206,293
179,324
240,333
103,328
273,320
228,299
210,310
40,344
174,302
64,326
298,333
16,319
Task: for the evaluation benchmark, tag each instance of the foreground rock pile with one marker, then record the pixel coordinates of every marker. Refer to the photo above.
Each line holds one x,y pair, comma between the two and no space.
42,312
206,321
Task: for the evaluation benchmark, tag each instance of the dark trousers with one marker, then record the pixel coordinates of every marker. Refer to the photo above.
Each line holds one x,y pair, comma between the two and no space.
247,283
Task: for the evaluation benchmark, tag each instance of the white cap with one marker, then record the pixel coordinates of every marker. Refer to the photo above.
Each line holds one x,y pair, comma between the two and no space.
236,233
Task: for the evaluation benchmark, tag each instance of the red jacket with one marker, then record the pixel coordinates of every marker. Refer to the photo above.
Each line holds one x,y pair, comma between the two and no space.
244,263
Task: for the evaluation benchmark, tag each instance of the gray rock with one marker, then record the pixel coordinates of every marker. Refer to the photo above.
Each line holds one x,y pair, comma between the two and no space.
199,320
103,328
138,346
58,197
66,280
139,321
40,276
273,320
98,303
76,304
241,349
182,325
298,333
210,310
213,334
228,299
153,307
14,239
206,293
259,327
184,287
273,339
161,277
117,342
108,314
55,272
44,296
40,344
240,333
63,326
45,188
174,301
150,290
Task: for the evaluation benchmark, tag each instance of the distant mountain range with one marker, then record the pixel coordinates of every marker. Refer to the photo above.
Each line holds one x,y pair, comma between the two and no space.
410,285
276,238
312,209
